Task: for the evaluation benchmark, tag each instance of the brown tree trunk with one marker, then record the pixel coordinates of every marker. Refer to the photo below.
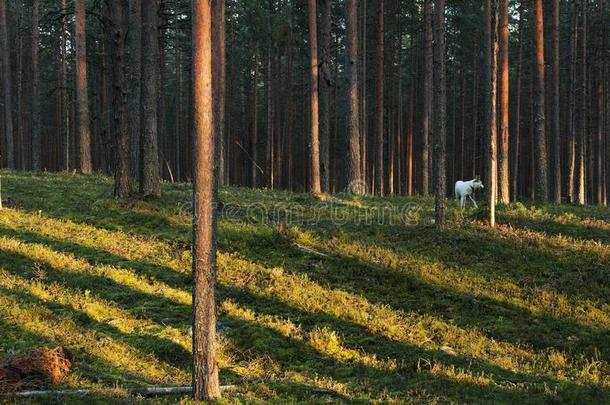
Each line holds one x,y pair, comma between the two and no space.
9,155
555,108
135,83
220,73
379,161
149,149
82,96
440,115
541,193
503,151
122,180
427,99
354,180
314,141
491,13
325,91
65,124
517,132
571,143
254,123
205,366
36,129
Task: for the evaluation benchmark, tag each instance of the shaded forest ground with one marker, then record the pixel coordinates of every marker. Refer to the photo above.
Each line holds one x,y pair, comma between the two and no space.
358,296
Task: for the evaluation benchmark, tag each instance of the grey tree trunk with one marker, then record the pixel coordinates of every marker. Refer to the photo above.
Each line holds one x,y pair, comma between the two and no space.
325,91
9,154
440,115
427,99
135,84
354,181
149,147
36,135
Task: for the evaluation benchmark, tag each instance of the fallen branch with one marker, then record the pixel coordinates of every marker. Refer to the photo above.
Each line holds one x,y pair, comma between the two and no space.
310,250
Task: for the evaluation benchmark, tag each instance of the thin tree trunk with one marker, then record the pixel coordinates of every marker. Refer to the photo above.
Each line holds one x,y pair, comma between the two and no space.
555,108
427,99
65,117
503,151
492,62
9,155
206,384
541,193
122,180
219,81
517,132
325,91
354,180
135,84
82,96
149,148
379,135
440,115
254,122
314,142
36,129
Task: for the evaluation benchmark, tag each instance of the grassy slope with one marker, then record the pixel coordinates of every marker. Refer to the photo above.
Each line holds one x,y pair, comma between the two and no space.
393,312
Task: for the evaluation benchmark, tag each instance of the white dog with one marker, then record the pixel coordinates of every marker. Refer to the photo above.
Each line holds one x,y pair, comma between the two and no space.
465,189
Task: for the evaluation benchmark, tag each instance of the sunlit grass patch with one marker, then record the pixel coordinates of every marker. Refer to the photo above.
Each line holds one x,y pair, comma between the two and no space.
351,299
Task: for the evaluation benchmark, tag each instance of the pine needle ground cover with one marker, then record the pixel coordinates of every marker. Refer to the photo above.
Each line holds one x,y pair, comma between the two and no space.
321,299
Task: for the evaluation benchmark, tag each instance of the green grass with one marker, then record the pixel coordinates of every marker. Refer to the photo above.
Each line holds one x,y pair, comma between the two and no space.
334,309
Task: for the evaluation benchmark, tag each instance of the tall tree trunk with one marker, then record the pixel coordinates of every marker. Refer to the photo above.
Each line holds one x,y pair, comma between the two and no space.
9,155
555,108
354,180
572,138
205,366
314,142
503,155
135,83
541,193
149,148
517,132
220,73
122,180
491,13
254,122
36,129
82,95
440,115
325,90
427,99
379,155
65,116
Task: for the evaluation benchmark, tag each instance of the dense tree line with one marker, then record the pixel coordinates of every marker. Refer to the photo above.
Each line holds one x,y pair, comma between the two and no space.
318,95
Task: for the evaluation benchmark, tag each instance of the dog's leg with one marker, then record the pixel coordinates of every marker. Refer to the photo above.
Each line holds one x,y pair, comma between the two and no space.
462,202
474,202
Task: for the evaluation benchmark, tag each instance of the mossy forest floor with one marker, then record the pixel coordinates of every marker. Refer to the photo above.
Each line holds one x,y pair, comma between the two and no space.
356,300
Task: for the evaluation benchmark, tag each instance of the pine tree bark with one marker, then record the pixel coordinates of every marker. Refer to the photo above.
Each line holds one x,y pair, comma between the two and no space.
325,91
36,129
118,17
540,161
135,84
205,365
379,119
555,107
82,95
65,117
427,99
440,115
314,141
517,132
9,154
149,147
491,11
503,150
254,122
354,180
219,81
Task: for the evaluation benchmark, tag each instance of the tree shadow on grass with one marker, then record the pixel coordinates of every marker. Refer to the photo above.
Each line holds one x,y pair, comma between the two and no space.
403,291
549,226
100,256
298,356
